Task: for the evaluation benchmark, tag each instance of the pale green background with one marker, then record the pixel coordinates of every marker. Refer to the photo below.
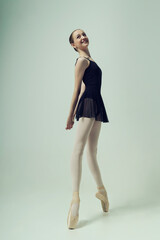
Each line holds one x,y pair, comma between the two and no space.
37,79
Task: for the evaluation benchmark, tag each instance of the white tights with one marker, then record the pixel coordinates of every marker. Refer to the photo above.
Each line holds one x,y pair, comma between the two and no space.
88,130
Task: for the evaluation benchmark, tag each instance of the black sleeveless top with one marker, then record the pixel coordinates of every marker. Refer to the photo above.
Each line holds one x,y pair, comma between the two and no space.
91,103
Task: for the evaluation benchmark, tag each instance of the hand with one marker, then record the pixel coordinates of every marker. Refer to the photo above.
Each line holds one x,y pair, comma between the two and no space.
70,122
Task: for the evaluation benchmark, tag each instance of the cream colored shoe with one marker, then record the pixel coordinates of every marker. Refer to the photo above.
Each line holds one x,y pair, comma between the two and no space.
72,220
104,198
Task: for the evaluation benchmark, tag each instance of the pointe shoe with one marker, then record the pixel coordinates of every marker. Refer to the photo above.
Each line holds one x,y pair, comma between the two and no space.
72,220
104,199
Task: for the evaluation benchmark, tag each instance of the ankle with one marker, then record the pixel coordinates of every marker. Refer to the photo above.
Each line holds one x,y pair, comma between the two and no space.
100,187
75,195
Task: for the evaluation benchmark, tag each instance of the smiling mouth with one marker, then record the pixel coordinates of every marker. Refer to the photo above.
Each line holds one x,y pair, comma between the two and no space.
84,41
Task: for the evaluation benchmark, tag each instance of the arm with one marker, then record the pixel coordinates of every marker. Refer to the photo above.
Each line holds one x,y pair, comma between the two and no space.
80,68
83,87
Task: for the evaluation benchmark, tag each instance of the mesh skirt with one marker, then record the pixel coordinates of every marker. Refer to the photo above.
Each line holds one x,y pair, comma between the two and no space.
90,108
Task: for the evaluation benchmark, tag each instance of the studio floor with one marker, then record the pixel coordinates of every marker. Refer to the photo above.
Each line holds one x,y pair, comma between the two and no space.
37,216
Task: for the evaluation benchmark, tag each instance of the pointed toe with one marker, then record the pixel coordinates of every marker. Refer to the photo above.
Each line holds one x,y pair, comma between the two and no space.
73,220
102,196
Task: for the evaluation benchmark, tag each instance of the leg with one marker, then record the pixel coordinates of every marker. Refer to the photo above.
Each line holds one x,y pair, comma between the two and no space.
92,143
93,165
83,129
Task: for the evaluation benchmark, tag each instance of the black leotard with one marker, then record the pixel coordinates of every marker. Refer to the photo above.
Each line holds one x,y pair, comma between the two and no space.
91,103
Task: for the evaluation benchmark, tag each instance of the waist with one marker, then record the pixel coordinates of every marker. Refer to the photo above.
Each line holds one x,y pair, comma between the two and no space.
93,89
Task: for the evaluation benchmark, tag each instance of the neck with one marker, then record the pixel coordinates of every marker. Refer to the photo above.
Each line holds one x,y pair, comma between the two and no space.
84,53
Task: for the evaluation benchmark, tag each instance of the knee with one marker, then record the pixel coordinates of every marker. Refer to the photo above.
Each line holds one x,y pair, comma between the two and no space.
78,150
92,150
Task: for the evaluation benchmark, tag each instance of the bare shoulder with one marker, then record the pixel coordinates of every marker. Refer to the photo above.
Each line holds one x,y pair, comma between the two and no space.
82,63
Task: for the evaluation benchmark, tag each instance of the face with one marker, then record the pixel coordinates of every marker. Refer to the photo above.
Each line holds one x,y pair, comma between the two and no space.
81,40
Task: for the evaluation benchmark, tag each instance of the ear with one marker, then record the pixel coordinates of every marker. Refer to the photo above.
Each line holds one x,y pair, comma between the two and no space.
73,45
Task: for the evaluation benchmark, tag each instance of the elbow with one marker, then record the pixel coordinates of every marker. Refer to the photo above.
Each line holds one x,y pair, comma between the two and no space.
77,92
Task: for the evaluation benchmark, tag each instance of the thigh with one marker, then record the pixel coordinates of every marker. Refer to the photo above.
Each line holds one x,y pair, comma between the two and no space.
93,136
84,127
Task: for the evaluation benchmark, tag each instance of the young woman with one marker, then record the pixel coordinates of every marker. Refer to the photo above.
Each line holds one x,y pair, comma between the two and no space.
88,108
